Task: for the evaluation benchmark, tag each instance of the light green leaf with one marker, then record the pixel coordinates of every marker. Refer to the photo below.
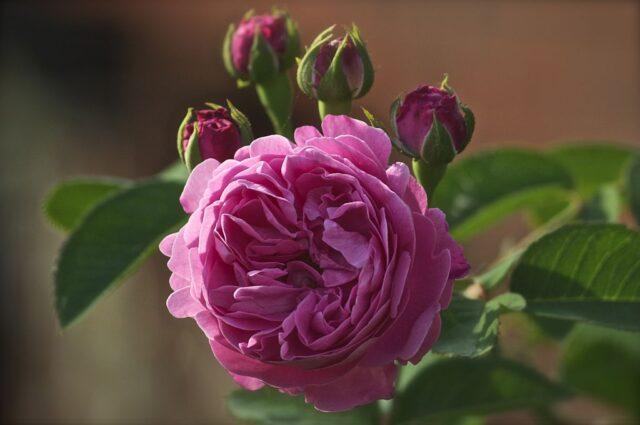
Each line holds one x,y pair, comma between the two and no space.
604,363
604,206
270,407
592,164
633,187
482,189
461,386
491,278
70,201
176,172
114,237
470,327
588,272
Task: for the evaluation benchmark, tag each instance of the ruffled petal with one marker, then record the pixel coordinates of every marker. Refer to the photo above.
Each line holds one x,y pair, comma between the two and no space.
377,139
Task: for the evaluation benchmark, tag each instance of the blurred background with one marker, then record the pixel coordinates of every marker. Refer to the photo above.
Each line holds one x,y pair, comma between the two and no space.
98,88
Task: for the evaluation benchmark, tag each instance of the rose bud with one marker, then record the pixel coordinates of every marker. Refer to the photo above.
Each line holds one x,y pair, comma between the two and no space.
432,124
336,70
313,267
261,46
215,132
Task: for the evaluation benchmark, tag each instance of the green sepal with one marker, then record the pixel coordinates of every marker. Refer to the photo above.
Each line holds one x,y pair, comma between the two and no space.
375,122
469,123
243,123
292,51
437,147
367,66
188,118
263,61
395,139
227,58
192,153
304,75
334,85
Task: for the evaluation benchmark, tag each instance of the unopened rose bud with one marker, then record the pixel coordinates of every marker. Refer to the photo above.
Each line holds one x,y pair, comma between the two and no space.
432,124
336,70
261,46
213,132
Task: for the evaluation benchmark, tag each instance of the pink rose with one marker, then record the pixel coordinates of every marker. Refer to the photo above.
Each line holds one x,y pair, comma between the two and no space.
313,267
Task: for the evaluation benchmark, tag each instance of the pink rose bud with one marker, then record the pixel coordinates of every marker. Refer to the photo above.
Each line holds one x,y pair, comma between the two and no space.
431,124
213,132
261,46
336,68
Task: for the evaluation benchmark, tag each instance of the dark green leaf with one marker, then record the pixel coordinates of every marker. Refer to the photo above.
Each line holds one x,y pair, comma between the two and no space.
270,407
592,165
69,201
587,272
604,363
461,386
113,238
633,188
481,189
470,327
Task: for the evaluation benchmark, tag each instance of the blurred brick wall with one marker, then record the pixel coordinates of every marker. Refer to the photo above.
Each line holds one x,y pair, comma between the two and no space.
95,87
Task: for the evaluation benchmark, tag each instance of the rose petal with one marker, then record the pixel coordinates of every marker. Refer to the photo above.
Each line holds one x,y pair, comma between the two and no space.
197,184
377,139
362,385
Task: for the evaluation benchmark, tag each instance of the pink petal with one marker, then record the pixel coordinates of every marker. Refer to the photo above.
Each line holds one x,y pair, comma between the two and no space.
197,184
248,383
377,139
278,375
243,153
181,304
167,244
398,175
304,133
361,385
270,145
426,283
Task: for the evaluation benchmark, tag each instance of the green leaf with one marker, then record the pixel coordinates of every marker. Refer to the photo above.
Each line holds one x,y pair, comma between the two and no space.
470,327
484,188
461,386
111,241
491,278
176,172
604,363
588,272
69,201
270,407
592,165
633,187
604,206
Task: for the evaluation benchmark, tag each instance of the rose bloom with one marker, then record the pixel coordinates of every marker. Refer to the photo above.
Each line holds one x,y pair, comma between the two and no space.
313,267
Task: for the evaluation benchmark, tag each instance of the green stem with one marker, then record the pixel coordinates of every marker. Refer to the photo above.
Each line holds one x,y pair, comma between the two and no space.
276,96
428,175
334,108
